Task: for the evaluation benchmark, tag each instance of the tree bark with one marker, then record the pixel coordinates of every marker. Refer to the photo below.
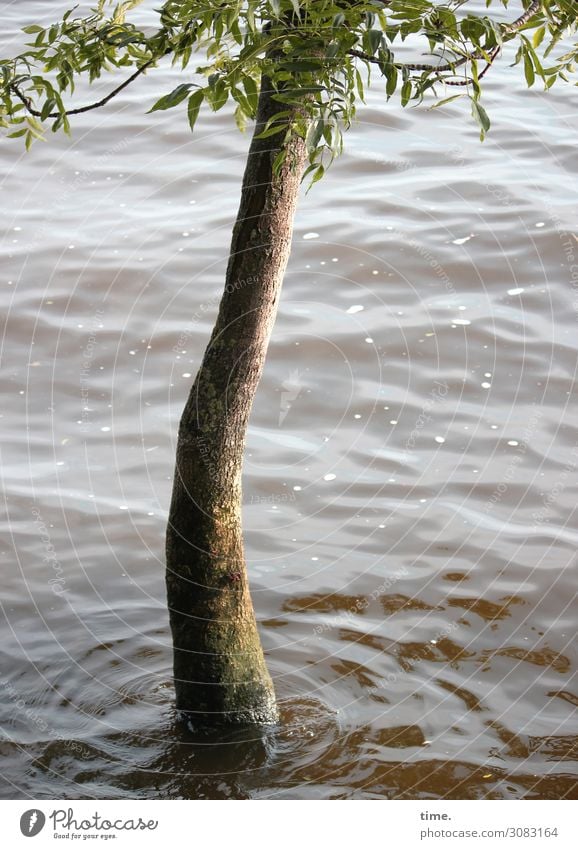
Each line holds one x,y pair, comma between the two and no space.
219,666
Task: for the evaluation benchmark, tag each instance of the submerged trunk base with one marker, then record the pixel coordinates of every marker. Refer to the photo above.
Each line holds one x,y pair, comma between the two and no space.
221,677
253,705
220,673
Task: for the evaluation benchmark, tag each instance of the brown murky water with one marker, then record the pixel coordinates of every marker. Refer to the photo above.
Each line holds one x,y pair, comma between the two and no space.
410,486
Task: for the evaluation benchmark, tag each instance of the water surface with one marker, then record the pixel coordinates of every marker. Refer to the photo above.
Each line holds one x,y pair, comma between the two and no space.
410,484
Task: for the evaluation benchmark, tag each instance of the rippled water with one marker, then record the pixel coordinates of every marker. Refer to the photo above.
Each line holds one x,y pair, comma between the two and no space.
410,485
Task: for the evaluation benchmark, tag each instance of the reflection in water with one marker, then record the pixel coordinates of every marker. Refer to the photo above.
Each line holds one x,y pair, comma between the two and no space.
488,610
325,603
568,697
409,494
471,701
544,657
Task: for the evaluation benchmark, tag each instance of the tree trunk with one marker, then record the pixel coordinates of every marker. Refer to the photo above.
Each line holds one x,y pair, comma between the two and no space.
219,666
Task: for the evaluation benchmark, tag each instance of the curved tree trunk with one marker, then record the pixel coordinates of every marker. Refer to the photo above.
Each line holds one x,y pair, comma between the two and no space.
219,667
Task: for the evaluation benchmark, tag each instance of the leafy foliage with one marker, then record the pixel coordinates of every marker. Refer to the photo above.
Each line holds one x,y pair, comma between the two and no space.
320,54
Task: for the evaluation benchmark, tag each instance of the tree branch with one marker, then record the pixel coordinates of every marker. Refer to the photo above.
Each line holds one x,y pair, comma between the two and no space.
523,19
28,103
507,29
482,73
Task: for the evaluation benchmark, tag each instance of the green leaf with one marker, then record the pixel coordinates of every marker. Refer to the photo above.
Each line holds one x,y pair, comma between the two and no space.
529,70
252,93
279,160
241,100
332,49
217,93
315,135
317,175
275,124
391,81
272,131
48,107
475,79
359,83
173,99
240,118
481,117
405,92
531,53
372,40
33,28
195,101
446,100
538,36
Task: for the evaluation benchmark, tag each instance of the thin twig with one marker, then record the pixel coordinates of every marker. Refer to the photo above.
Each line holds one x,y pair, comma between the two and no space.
28,104
482,73
411,66
523,19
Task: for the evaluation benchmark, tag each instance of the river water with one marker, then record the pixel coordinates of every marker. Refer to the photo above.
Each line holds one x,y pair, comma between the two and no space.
410,485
